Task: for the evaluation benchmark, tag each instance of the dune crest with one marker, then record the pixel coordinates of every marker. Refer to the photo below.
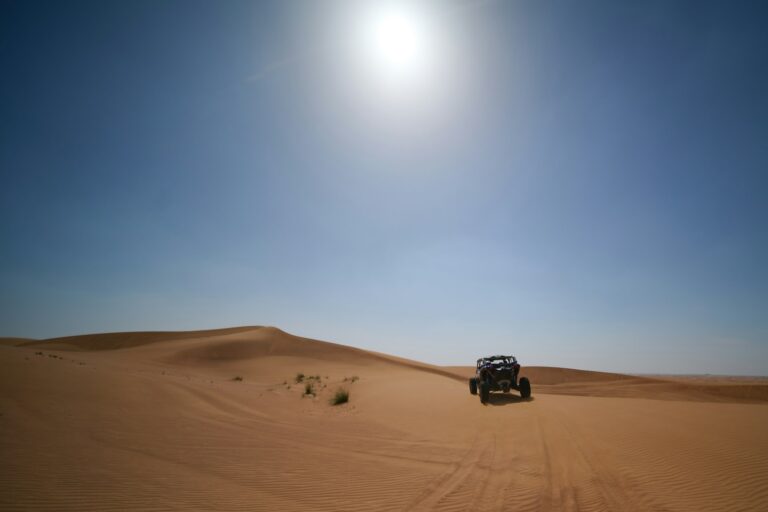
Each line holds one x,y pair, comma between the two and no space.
121,340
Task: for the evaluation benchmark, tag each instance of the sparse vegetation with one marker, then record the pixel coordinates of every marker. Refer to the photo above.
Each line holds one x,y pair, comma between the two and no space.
340,397
309,389
238,379
352,379
299,378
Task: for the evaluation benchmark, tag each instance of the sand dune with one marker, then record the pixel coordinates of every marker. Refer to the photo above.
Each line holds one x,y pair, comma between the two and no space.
118,340
569,381
12,342
155,421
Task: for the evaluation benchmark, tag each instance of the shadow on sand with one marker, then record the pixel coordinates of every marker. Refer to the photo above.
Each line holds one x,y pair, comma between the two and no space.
507,399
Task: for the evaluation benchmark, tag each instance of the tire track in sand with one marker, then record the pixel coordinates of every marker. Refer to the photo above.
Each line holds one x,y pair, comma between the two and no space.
473,466
573,481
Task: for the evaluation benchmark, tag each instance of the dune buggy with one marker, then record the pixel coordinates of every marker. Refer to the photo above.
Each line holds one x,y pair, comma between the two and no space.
498,373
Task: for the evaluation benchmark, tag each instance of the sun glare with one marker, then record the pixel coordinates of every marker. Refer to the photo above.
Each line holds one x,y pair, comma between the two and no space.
397,44
394,69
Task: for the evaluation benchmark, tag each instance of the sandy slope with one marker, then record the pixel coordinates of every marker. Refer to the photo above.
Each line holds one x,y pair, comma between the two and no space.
154,421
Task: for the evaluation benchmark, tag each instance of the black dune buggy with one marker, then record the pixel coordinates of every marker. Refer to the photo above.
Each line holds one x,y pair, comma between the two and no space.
498,373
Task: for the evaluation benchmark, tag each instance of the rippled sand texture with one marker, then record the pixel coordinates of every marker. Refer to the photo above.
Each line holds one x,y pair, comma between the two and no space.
156,421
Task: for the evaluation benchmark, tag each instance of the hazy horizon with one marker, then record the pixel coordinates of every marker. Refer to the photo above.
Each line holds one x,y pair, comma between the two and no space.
579,184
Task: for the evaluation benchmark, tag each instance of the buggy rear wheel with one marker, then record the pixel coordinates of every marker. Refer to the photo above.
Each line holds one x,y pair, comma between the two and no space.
473,386
525,387
485,392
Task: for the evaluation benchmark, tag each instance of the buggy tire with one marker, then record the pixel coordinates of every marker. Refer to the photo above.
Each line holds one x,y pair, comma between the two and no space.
485,392
525,388
473,386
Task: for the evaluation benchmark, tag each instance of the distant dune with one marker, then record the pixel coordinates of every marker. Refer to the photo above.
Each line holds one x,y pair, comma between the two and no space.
118,340
13,341
217,420
568,381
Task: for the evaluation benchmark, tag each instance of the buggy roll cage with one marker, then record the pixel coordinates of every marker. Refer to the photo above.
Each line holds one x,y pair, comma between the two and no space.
505,360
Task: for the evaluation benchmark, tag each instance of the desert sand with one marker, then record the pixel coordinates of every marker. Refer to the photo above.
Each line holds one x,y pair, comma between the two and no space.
160,421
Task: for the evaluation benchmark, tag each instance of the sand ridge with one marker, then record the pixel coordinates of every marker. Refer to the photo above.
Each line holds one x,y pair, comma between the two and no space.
151,421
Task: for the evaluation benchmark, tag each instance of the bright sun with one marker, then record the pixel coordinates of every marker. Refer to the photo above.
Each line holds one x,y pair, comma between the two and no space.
397,44
395,64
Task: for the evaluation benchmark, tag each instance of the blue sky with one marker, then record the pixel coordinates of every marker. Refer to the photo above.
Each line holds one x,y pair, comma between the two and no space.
584,186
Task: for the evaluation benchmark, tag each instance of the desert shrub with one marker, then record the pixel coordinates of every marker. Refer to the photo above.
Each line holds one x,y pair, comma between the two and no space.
308,389
340,397
238,378
299,377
